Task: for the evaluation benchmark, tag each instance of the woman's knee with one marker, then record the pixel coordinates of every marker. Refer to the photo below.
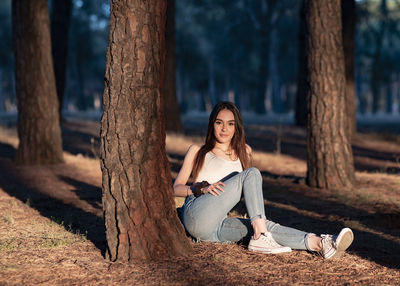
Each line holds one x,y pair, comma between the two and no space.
254,171
234,229
199,228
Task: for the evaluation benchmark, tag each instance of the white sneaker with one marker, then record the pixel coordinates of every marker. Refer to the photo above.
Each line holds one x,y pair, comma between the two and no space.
266,244
334,246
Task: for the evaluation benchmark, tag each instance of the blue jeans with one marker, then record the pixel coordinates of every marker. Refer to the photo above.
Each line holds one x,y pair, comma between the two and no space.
205,218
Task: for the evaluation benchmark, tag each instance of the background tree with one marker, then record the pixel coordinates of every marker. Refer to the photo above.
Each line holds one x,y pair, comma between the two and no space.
172,112
301,96
329,155
38,122
263,14
348,8
6,57
60,21
86,60
139,211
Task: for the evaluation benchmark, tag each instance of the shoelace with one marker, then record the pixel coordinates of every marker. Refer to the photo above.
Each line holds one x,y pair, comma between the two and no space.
268,239
327,244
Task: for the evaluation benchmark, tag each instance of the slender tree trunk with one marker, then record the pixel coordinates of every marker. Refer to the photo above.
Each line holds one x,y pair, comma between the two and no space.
348,28
81,101
264,51
329,157
172,111
60,19
1,92
376,73
389,97
302,87
139,211
38,121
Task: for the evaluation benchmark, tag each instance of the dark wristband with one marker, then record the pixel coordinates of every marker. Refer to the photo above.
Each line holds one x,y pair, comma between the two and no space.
196,188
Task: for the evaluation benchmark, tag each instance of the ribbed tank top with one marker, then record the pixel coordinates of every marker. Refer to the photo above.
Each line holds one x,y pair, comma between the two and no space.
216,168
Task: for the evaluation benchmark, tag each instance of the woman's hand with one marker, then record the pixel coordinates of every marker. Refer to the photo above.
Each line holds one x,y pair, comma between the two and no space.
214,189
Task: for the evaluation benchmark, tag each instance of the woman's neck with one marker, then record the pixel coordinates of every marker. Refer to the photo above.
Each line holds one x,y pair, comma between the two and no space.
225,150
223,146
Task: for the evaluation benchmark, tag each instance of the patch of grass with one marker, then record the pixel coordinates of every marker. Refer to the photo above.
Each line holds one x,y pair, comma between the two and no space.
75,232
9,218
52,241
8,245
58,237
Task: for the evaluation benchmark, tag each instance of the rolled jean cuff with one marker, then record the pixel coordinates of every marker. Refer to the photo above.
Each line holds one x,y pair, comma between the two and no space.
306,241
252,219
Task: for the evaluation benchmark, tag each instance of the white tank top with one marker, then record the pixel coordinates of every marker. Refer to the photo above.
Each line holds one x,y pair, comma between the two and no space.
216,168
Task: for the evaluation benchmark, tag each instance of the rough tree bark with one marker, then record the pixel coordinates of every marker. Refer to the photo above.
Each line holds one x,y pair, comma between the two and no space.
38,123
348,27
329,154
301,96
60,20
139,211
173,121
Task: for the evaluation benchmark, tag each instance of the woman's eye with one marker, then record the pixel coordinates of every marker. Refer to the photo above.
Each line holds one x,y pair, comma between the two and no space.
231,124
218,122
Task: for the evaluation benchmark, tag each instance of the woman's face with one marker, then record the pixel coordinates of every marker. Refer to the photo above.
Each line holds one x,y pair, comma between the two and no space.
224,126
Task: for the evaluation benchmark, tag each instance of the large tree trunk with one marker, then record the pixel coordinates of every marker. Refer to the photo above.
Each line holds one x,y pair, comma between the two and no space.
302,88
349,25
140,217
60,19
329,155
172,111
38,123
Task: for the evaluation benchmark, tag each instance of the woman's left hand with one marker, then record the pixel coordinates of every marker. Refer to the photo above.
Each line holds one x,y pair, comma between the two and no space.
214,189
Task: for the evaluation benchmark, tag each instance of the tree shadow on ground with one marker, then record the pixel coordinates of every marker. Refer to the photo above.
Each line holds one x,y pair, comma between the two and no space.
78,142
73,218
297,148
84,191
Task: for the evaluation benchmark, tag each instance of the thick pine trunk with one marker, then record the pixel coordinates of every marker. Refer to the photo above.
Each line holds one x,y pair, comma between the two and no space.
38,121
139,211
172,111
60,19
349,25
329,157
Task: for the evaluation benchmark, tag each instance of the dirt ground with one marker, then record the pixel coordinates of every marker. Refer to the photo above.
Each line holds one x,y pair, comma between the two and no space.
52,232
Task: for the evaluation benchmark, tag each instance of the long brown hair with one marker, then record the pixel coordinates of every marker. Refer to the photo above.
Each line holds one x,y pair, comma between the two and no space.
238,142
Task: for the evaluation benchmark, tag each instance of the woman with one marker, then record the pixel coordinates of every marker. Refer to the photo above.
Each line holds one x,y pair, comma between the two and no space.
222,173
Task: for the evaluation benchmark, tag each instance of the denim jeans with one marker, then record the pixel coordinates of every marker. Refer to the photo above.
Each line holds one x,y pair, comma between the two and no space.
205,218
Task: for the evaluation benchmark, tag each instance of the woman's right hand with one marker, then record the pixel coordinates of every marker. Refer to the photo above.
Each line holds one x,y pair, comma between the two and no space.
214,189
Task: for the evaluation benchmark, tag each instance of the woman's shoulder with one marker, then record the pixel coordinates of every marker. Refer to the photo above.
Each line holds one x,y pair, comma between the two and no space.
193,149
248,149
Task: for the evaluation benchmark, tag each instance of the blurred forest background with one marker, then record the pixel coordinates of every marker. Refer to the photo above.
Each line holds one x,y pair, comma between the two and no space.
226,50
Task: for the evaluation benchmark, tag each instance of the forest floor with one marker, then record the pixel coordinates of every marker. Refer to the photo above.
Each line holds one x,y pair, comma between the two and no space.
52,232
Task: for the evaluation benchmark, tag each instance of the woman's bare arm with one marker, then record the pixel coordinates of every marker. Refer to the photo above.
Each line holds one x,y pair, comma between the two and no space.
180,187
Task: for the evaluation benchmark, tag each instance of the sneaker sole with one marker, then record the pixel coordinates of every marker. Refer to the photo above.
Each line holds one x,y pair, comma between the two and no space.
271,251
343,241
